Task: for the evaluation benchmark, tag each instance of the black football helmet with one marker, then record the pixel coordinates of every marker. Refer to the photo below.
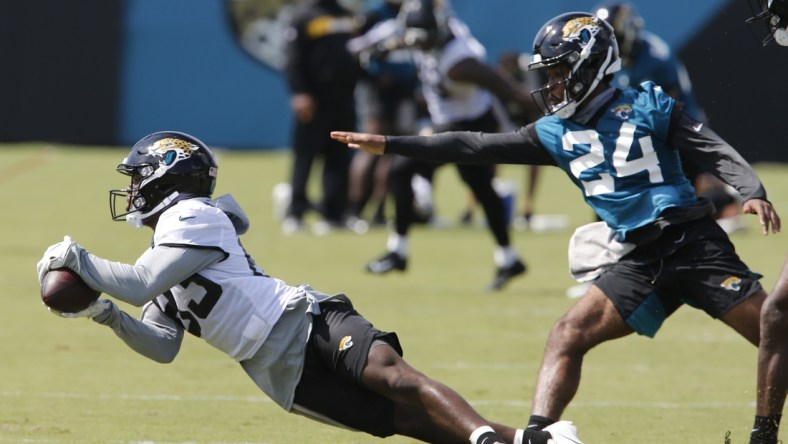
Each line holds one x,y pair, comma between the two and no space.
770,21
425,22
584,44
627,24
164,167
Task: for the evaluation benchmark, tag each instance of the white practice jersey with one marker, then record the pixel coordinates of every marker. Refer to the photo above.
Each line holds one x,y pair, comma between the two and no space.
449,101
231,304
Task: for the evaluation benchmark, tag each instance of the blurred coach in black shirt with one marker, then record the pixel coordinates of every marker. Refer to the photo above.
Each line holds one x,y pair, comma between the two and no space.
321,76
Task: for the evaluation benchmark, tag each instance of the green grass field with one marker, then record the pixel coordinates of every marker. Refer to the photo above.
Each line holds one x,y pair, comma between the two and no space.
67,380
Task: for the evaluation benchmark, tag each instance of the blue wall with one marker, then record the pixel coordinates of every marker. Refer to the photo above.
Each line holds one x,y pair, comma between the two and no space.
502,24
183,70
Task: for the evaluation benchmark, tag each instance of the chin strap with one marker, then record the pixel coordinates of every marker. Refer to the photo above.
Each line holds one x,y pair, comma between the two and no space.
136,218
608,67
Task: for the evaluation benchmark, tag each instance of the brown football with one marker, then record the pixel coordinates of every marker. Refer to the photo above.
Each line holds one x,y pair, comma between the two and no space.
63,290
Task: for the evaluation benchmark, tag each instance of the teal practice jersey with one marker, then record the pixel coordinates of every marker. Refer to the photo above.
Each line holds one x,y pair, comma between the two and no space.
621,160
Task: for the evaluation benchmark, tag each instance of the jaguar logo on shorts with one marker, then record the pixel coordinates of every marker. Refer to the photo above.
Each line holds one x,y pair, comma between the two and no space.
345,343
732,283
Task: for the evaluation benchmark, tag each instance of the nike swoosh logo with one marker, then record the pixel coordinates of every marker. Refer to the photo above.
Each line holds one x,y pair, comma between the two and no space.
697,127
183,218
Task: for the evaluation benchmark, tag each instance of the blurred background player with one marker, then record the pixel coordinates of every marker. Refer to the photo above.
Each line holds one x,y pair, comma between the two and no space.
645,56
510,63
514,65
770,17
510,119
727,201
456,84
386,97
321,75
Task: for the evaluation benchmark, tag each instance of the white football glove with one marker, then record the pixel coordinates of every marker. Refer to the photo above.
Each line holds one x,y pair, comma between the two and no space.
57,256
98,307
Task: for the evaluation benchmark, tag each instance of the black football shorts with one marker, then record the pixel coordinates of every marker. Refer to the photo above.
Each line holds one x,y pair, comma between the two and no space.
330,388
693,263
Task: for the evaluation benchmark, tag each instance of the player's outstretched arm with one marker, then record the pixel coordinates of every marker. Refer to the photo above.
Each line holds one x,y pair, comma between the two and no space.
154,335
766,213
371,143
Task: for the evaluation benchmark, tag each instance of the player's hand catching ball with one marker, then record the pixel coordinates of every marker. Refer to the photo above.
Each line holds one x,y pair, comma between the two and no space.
98,307
58,255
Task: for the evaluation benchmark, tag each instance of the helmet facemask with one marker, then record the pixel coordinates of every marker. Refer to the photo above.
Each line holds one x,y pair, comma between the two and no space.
566,105
582,78
132,204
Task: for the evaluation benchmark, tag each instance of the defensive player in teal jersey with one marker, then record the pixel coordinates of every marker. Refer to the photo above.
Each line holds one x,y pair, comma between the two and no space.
622,150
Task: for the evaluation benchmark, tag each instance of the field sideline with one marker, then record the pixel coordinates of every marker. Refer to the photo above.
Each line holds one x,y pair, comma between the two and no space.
74,381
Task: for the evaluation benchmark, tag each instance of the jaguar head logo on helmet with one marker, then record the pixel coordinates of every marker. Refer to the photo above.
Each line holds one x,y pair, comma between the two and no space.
579,29
573,53
165,167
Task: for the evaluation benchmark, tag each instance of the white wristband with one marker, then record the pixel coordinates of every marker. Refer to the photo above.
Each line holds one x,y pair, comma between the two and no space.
518,436
479,432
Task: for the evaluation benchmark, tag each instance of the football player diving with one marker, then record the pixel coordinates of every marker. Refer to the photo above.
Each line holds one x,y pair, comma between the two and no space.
310,352
623,149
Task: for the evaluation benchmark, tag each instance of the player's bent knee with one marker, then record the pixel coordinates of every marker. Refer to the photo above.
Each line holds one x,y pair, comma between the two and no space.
776,303
388,372
774,314
566,337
